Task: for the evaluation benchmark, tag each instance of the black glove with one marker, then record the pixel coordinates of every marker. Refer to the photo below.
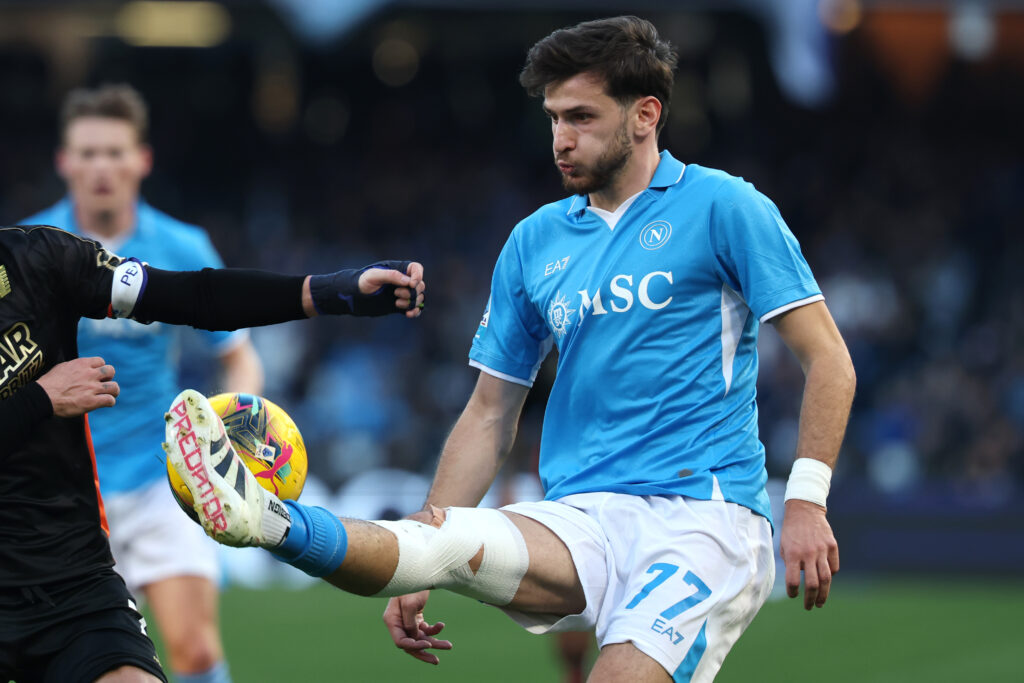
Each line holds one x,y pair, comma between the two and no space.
338,293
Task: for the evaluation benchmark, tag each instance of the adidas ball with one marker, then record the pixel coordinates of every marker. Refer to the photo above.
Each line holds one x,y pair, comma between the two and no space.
265,438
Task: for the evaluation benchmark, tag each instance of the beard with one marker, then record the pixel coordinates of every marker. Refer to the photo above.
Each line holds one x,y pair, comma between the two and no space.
605,170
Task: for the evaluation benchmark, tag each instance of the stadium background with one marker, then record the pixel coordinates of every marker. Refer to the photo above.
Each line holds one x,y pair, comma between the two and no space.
309,135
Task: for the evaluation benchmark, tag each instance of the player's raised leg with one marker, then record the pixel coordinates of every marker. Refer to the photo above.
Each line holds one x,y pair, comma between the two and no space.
499,558
230,505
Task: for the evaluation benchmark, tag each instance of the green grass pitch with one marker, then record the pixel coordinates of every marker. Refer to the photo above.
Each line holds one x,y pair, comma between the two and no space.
890,631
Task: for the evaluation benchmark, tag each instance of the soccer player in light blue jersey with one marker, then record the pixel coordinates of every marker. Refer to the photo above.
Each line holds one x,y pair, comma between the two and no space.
652,279
103,158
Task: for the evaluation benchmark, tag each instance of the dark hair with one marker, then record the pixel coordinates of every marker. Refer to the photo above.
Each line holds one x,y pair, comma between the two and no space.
625,51
108,101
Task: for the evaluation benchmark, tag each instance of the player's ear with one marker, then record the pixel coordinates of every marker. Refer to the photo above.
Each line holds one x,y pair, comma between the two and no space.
647,114
145,159
60,162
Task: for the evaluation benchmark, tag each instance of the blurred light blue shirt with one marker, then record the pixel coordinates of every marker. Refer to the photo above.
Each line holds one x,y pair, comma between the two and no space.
127,437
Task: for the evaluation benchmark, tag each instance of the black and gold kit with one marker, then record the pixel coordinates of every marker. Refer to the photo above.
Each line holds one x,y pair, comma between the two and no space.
65,615
51,516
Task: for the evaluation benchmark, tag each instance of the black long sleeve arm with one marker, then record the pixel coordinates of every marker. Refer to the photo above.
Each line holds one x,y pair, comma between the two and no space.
21,413
222,299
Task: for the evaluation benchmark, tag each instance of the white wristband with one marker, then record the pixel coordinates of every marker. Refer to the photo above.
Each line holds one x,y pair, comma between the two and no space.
127,286
809,480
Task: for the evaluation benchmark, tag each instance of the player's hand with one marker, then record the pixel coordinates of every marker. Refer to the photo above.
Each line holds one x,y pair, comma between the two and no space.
80,385
405,284
808,544
410,631
380,289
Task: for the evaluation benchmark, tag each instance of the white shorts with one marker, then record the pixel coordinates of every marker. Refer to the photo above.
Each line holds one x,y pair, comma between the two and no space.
680,578
153,539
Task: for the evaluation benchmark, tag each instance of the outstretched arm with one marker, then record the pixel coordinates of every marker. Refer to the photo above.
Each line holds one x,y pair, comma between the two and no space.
479,442
807,541
228,299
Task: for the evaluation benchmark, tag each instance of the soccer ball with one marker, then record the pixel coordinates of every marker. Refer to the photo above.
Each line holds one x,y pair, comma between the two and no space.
267,441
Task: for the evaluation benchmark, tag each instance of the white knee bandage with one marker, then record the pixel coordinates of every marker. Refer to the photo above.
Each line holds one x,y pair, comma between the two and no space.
429,557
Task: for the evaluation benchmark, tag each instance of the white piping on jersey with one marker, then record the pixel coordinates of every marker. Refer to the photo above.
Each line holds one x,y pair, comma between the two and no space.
543,349
612,217
501,375
734,316
790,306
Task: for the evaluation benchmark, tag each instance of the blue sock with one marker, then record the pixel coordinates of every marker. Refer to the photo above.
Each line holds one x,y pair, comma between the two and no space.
316,542
218,673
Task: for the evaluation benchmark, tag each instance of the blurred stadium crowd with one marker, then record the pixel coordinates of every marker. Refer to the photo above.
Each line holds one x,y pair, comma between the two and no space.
409,137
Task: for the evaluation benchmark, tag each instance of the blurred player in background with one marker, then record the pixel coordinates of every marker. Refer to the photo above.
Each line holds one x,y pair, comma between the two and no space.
103,158
652,279
65,615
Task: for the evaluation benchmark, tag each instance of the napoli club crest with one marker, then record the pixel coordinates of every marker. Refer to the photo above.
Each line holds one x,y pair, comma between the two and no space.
655,235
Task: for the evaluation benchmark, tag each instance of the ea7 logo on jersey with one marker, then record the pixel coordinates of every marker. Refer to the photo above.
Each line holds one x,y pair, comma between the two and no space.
622,298
554,266
655,235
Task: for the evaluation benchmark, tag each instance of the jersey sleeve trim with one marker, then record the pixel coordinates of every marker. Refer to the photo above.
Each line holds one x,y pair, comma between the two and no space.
501,375
790,306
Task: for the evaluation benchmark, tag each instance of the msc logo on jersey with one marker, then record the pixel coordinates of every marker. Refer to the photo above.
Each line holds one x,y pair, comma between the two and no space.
559,314
622,289
622,292
655,235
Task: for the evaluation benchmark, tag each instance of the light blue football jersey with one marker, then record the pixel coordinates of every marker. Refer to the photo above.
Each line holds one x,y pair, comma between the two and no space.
656,324
127,437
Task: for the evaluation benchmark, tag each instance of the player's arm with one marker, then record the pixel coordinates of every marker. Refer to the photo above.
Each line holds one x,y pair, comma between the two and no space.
98,284
21,413
807,541
228,299
478,444
67,389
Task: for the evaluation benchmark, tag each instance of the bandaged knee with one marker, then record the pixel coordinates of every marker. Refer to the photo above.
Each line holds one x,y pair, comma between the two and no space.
432,557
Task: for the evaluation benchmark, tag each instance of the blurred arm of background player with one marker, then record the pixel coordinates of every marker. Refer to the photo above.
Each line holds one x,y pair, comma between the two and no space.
242,369
478,444
807,542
